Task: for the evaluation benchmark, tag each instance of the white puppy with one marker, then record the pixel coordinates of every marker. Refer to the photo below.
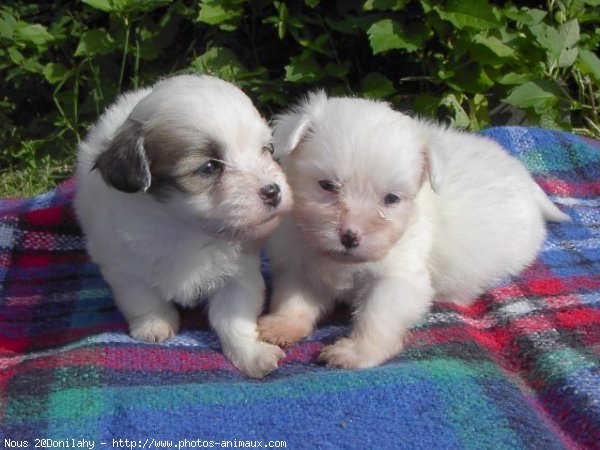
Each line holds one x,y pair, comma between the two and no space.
367,228
176,187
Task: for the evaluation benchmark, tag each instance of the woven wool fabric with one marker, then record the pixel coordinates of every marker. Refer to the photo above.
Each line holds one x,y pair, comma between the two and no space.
517,369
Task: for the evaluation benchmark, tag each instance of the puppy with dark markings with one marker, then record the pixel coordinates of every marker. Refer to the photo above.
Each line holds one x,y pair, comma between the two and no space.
176,189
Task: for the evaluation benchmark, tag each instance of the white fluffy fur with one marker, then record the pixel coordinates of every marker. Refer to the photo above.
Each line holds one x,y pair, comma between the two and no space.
156,251
479,218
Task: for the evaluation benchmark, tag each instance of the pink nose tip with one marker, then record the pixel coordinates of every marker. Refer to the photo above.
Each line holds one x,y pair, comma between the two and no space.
350,239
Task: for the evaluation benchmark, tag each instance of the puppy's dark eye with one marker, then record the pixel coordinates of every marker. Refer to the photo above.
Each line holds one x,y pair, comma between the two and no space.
268,148
329,186
391,199
210,167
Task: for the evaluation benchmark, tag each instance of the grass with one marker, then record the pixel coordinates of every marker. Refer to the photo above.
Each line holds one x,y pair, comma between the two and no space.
18,181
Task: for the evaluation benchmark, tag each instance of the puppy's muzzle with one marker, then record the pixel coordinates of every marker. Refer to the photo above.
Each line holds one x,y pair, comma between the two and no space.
271,194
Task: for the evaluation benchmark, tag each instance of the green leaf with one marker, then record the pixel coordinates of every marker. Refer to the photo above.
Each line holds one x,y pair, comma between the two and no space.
219,61
222,13
560,44
479,112
384,5
126,6
303,69
569,33
477,14
102,5
32,65
55,72
95,42
7,25
376,85
548,38
589,63
498,47
311,3
539,94
461,118
387,34
514,78
16,56
283,17
142,6
34,34
526,16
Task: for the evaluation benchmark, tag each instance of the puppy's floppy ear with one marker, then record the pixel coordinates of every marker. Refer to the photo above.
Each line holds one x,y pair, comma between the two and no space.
124,164
289,131
435,143
290,128
435,165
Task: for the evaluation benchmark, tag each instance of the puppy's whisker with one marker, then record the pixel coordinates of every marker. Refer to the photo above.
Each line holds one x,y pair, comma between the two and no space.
382,215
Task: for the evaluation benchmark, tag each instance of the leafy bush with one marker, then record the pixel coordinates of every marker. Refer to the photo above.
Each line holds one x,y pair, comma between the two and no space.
471,62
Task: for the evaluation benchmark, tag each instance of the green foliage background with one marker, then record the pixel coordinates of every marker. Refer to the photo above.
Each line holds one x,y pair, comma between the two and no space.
470,62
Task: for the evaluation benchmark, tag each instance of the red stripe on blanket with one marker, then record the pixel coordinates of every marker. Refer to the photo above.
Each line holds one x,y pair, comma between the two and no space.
152,359
74,334
544,284
492,339
146,358
563,188
547,286
579,317
495,339
47,259
77,357
41,342
10,345
42,260
54,215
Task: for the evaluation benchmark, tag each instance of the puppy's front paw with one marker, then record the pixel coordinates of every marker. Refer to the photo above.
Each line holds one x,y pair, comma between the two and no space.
348,353
280,329
257,360
154,328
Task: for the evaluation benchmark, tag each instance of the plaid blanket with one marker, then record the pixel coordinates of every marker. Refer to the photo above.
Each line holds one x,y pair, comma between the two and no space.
517,369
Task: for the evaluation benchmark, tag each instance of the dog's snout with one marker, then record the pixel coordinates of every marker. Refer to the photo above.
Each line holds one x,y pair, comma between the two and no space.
271,194
350,239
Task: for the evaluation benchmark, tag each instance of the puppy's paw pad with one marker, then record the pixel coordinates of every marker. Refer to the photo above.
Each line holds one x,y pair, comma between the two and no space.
347,354
282,330
153,329
260,360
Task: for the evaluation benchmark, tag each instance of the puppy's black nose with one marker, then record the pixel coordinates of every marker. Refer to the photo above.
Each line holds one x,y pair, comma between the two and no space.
350,239
271,194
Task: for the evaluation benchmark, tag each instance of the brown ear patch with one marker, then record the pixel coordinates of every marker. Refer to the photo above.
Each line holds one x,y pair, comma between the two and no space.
124,164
